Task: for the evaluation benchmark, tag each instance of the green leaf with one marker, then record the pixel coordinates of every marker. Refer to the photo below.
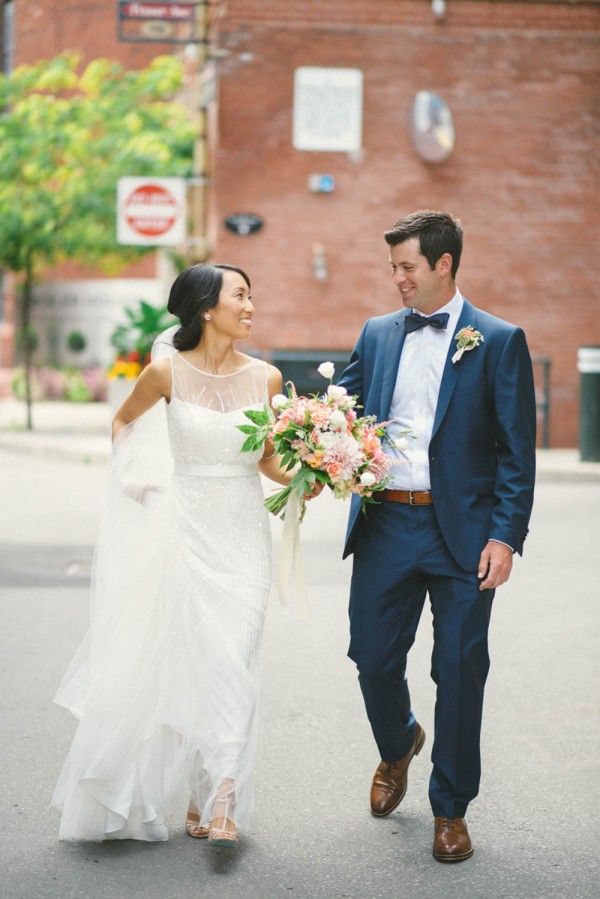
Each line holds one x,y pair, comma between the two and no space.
259,417
250,445
288,458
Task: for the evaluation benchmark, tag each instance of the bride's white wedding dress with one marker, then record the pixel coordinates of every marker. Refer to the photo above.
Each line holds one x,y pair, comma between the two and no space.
165,685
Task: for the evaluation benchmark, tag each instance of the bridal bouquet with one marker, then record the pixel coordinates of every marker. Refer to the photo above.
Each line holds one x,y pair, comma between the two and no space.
325,439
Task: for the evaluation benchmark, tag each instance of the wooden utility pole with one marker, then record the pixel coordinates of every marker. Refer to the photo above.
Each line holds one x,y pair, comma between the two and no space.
198,249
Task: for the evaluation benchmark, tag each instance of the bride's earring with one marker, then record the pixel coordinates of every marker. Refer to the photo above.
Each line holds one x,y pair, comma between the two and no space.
207,317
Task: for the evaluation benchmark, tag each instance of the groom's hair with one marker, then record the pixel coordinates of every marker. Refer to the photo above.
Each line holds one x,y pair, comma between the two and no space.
438,233
195,291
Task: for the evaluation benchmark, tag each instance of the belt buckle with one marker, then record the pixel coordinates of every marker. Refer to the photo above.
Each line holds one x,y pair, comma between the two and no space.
410,498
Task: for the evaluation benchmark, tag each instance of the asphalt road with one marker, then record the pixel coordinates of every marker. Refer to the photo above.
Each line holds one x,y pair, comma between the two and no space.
534,826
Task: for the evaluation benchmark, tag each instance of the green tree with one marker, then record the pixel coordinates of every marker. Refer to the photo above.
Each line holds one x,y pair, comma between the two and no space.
65,140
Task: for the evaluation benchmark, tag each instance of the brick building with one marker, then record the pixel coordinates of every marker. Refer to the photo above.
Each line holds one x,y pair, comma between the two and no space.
521,82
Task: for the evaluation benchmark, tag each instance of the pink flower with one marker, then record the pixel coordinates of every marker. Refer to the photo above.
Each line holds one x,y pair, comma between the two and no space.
281,424
370,441
334,470
297,413
319,414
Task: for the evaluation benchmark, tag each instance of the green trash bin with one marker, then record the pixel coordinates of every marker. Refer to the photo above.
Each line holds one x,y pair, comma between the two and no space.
588,365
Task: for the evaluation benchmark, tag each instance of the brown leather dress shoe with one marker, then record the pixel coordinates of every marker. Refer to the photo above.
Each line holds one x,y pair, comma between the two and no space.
451,841
391,779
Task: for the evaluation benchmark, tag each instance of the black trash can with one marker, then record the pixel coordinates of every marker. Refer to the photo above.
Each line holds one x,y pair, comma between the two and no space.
300,366
588,365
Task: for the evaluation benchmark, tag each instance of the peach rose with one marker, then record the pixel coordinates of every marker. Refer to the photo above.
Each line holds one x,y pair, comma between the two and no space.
334,470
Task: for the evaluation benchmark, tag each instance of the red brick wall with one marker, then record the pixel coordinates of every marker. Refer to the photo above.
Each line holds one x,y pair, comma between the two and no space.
45,28
522,82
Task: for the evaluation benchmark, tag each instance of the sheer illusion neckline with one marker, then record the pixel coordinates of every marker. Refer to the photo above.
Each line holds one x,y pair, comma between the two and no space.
227,374
177,399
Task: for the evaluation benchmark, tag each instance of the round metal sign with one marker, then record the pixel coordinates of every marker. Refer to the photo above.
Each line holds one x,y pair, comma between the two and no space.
432,127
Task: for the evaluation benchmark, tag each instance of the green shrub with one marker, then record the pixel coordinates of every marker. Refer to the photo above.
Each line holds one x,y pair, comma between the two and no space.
76,342
18,384
145,323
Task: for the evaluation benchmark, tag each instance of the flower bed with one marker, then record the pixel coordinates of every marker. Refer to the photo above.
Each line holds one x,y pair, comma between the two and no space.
88,385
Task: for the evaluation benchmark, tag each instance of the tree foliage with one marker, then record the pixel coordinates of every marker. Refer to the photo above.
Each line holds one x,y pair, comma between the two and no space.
65,140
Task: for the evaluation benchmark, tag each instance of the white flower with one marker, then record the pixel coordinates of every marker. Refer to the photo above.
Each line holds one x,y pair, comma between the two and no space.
367,479
328,439
401,443
326,370
337,422
279,401
336,393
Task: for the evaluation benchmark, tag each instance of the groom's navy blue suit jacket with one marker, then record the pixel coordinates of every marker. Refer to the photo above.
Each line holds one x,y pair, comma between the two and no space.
482,449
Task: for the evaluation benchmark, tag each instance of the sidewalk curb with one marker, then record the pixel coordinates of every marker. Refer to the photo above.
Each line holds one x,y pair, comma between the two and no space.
80,432
94,448
67,448
577,477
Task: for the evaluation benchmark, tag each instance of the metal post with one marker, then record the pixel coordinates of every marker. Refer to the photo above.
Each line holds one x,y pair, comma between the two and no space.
546,426
543,403
588,364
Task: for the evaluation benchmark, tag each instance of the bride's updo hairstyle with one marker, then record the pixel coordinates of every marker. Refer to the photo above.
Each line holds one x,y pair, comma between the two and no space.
194,292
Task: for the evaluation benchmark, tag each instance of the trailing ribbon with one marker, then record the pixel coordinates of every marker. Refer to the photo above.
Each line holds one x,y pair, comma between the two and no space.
290,559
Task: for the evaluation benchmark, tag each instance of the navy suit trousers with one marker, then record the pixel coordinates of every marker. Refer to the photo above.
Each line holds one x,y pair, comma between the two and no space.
399,557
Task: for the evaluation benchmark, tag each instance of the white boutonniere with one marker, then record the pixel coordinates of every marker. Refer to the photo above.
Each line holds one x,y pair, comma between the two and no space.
466,339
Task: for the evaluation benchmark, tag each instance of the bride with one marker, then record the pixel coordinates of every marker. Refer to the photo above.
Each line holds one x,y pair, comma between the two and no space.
165,685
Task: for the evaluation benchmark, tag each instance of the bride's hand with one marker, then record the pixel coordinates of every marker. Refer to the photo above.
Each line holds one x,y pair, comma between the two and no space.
140,492
314,491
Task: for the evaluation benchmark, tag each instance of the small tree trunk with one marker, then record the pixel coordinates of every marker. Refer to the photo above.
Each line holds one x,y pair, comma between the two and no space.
25,330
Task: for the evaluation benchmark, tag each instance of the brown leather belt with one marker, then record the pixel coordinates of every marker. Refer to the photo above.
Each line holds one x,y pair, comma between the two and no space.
409,497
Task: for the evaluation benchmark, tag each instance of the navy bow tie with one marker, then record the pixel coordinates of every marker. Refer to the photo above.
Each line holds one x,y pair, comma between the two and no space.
413,322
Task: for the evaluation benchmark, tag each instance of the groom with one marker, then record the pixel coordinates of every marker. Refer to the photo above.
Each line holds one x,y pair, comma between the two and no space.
457,508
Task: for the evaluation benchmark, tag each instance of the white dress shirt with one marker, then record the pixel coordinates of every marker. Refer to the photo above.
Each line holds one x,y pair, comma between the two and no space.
415,397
